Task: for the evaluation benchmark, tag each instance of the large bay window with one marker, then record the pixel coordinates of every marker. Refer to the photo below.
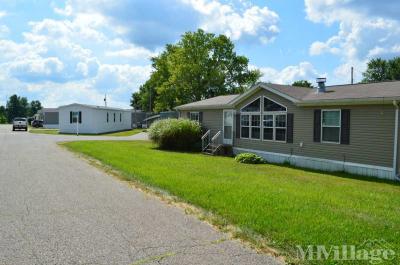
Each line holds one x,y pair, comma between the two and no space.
269,124
330,126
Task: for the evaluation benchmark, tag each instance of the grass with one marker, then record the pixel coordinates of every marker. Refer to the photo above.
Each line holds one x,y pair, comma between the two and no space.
56,131
284,205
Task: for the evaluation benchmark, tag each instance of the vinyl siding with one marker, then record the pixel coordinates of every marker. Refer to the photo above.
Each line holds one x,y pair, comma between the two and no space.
212,119
371,134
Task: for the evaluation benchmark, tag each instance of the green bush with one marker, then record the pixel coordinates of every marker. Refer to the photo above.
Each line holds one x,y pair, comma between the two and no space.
249,158
175,134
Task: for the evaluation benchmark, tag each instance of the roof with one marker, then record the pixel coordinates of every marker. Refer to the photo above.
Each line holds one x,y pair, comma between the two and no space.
48,110
210,103
363,93
93,107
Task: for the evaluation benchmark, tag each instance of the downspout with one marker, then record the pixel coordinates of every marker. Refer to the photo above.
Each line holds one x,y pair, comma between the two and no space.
396,136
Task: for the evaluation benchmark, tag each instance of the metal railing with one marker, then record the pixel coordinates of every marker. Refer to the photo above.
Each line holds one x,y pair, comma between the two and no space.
215,142
205,140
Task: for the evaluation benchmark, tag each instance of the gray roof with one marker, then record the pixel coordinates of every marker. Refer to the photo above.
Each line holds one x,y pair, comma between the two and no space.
94,107
369,93
48,110
214,102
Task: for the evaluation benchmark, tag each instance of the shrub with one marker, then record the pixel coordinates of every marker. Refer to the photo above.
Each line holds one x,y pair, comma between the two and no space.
175,134
249,158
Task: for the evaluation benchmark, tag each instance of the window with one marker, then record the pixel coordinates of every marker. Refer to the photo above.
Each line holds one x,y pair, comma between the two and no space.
194,116
114,116
274,127
250,126
270,105
107,116
252,107
75,117
120,117
330,126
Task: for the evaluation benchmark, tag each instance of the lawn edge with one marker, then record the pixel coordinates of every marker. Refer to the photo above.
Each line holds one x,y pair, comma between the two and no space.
248,238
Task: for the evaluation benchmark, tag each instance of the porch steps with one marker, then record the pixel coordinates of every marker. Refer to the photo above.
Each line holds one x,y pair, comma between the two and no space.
212,149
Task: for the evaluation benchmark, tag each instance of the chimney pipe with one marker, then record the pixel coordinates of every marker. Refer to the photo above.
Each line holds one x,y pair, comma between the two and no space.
321,85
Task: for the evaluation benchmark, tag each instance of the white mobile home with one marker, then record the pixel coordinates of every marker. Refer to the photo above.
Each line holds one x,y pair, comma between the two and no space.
88,119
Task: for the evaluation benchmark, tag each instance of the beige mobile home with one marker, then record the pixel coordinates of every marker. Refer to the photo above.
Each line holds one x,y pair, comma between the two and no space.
352,128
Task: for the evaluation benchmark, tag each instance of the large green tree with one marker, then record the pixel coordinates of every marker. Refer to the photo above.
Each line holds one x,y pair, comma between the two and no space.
302,83
201,65
382,70
34,107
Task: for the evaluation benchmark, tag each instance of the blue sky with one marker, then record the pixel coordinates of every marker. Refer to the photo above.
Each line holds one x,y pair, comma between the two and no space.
76,51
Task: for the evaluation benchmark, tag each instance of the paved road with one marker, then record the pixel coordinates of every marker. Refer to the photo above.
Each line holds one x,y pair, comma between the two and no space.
57,209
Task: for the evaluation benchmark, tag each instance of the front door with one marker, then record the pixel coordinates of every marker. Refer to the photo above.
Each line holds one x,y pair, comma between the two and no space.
228,127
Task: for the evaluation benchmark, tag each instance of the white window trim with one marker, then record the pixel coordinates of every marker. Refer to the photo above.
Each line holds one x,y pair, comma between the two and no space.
274,113
322,126
250,114
194,112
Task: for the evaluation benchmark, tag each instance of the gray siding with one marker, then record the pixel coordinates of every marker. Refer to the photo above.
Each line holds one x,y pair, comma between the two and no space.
212,119
371,135
50,118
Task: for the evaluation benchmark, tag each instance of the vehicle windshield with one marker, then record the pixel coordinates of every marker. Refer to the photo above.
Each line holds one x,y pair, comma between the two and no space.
19,119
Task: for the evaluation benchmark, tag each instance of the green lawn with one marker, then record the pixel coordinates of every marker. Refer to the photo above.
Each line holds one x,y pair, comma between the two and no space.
55,131
286,206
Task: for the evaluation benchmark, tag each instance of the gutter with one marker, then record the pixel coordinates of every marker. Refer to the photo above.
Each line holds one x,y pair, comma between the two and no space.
396,137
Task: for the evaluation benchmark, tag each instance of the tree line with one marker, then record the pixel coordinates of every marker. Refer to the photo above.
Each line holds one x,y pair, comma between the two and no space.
18,107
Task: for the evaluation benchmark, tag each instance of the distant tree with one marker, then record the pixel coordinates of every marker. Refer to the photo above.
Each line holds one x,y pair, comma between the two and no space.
302,83
3,115
16,107
377,70
201,65
34,107
394,68
135,101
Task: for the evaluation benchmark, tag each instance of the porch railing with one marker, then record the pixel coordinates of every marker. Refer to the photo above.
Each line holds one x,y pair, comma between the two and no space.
205,140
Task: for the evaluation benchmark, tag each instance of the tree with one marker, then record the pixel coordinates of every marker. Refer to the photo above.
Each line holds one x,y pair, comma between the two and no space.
34,107
135,101
201,65
382,70
16,107
302,83
3,115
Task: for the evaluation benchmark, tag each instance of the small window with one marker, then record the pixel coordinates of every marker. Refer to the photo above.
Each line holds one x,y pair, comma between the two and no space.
270,105
120,117
245,126
75,116
107,116
255,126
252,107
114,116
330,126
194,116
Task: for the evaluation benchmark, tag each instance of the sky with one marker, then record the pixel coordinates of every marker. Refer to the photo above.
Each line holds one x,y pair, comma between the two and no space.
61,52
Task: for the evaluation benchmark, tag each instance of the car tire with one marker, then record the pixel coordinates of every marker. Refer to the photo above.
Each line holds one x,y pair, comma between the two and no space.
13,129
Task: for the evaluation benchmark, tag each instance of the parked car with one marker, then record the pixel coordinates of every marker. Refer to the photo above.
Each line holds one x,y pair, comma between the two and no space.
37,123
20,124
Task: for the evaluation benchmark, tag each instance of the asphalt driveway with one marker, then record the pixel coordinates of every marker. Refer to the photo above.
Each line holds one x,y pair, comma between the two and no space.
57,209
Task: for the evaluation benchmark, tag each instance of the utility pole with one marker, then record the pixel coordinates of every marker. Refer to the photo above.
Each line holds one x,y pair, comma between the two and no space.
352,75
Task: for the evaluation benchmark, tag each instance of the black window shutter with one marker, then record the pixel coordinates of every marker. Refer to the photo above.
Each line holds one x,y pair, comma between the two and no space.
238,125
289,132
80,116
200,117
70,117
317,125
188,115
345,124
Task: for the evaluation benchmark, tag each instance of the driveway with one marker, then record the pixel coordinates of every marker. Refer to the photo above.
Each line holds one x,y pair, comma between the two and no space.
57,209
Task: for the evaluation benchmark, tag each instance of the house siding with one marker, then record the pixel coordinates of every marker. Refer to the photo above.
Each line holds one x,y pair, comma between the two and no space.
371,134
212,119
50,118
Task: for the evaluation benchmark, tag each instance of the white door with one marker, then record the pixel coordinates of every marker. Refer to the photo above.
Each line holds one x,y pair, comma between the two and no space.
228,127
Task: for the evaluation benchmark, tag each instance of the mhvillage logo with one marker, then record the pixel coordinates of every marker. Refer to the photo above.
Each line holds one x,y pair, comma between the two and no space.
375,251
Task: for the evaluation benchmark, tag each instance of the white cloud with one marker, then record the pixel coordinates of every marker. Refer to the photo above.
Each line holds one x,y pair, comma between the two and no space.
289,74
367,29
254,21
3,14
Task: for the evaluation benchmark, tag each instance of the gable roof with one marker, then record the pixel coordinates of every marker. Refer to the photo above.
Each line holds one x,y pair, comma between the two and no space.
210,103
368,93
